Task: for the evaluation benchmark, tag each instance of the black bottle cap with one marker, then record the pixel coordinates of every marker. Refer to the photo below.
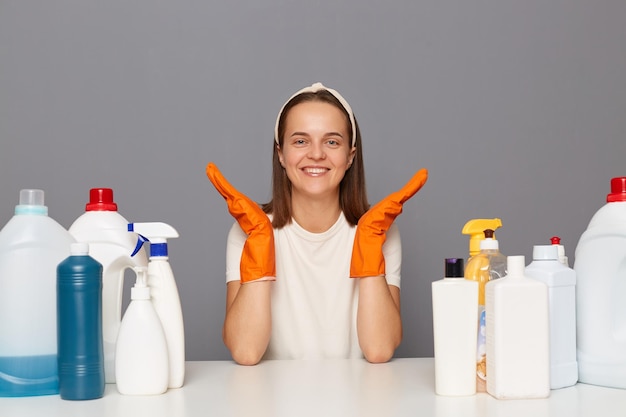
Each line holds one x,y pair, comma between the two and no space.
454,268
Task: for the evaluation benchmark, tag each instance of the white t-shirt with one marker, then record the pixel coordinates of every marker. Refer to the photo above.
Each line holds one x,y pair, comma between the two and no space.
314,300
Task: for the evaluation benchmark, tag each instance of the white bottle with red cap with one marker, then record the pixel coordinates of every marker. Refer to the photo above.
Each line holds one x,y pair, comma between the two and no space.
600,265
561,281
106,232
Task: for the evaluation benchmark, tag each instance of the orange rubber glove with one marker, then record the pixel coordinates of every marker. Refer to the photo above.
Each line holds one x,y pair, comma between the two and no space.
258,257
371,232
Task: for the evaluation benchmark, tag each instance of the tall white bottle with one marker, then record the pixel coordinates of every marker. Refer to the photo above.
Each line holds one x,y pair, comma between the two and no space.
600,265
561,282
518,338
141,360
455,330
165,296
105,230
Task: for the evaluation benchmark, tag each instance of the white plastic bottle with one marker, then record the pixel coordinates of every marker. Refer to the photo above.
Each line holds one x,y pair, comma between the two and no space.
600,265
32,244
561,282
141,363
518,338
105,230
165,296
454,331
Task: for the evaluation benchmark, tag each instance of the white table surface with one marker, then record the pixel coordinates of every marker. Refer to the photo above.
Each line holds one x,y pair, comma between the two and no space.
402,387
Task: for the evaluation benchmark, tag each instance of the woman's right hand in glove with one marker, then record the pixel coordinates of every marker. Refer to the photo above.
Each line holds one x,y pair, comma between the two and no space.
258,256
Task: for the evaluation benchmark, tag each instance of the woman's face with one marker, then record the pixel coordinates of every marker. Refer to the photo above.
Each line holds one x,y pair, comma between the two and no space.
316,150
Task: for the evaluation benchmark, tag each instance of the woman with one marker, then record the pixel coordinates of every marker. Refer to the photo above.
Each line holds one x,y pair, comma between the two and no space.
289,292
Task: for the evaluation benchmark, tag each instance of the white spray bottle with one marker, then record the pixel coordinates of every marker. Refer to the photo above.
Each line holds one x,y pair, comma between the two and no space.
164,293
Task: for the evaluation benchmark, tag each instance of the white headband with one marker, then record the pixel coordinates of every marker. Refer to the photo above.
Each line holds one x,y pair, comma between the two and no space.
313,89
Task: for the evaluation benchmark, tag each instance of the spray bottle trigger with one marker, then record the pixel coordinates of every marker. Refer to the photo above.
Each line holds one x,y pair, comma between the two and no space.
140,241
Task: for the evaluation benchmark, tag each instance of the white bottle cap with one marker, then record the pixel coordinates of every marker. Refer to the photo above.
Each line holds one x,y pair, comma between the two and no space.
31,197
31,202
140,290
79,248
489,243
516,265
545,253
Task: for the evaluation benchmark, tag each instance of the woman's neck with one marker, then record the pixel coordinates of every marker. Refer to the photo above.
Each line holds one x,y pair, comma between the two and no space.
315,216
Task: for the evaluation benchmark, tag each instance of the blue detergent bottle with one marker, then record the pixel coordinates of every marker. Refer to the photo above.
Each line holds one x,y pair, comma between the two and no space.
31,247
79,325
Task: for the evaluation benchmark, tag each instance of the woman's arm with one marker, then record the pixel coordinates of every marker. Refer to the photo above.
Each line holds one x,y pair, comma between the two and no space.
379,324
247,325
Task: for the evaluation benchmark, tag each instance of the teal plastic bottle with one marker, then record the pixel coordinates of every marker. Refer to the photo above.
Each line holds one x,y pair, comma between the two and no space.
79,325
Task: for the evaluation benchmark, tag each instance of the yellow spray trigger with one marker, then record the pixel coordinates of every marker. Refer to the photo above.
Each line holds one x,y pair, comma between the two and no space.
476,228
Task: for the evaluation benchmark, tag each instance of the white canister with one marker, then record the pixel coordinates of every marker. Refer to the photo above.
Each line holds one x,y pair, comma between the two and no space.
600,265
32,244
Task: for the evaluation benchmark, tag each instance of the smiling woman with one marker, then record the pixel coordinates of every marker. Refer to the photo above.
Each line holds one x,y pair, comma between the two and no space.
289,264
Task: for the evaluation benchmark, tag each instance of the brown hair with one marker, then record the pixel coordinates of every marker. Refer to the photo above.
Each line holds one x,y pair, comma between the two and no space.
352,193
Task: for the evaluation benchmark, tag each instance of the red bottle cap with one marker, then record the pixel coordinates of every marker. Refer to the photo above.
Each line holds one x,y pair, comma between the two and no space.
555,240
618,190
101,199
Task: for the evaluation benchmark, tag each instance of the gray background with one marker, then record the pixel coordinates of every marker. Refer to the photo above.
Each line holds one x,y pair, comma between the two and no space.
515,107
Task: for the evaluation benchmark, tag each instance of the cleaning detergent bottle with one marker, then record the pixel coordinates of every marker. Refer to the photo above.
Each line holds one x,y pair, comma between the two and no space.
141,363
104,229
79,325
164,293
475,228
31,246
518,340
487,265
561,282
556,241
600,265
454,331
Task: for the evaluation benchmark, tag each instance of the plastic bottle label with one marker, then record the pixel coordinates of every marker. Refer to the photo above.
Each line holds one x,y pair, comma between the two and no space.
481,358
